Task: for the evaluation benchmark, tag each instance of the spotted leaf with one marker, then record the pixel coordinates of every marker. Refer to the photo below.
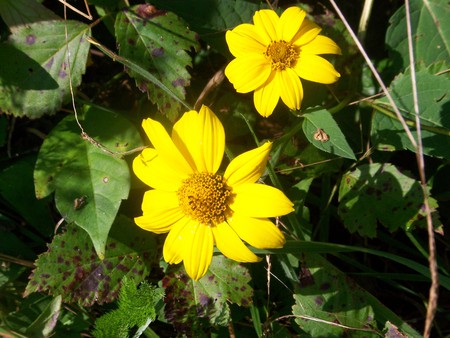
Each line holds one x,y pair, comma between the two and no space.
71,267
189,303
157,41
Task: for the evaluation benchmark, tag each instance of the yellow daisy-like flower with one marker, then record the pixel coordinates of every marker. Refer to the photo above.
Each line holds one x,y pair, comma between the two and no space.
273,52
197,206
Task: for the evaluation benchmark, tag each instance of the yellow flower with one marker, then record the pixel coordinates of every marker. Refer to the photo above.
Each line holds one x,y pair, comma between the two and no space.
197,206
273,52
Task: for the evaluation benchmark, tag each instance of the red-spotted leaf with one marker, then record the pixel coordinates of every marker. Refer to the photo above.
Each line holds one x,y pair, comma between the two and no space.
71,267
375,194
157,41
188,303
34,76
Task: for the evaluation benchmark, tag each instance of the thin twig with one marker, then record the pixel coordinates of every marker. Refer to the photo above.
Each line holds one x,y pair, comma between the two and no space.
375,74
434,287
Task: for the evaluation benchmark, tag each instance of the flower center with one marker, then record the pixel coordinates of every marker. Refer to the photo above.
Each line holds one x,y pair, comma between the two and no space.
283,54
205,198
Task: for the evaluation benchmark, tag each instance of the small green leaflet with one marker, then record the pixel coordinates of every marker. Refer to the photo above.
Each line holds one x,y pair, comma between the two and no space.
323,132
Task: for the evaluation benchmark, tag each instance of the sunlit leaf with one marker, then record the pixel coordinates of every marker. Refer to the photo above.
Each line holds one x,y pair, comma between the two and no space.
89,183
323,132
430,23
189,302
157,41
375,193
433,98
72,268
36,79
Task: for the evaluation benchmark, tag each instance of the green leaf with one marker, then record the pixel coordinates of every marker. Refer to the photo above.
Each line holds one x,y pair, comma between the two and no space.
45,323
157,41
434,100
430,25
89,183
137,307
325,296
375,193
323,132
188,302
36,79
212,18
72,269
16,189
17,13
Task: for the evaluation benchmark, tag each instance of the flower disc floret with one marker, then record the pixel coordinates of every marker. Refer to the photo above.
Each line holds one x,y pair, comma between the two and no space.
282,55
205,197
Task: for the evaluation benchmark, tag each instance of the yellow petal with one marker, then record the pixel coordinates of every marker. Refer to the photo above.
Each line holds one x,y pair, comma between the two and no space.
315,68
165,147
321,45
260,201
266,97
198,250
173,246
201,137
291,88
229,243
290,22
244,39
308,31
266,22
161,210
248,167
248,72
260,233
149,168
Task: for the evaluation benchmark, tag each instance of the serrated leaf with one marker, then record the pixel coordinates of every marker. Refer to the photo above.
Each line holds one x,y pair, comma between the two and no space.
36,80
16,13
430,23
434,98
375,193
323,132
157,41
89,183
188,301
212,18
72,268
325,296
137,307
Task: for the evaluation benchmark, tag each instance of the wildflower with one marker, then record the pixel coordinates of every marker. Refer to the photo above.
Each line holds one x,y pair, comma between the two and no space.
198,206
273,52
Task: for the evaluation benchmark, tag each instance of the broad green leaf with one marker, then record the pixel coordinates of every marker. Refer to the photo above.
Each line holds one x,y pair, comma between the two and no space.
157,41
17,13
323,132
375,193
16,189
434,109
212,18
137,307
325,296
89,183
430,23
36,79
72,268
189,302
